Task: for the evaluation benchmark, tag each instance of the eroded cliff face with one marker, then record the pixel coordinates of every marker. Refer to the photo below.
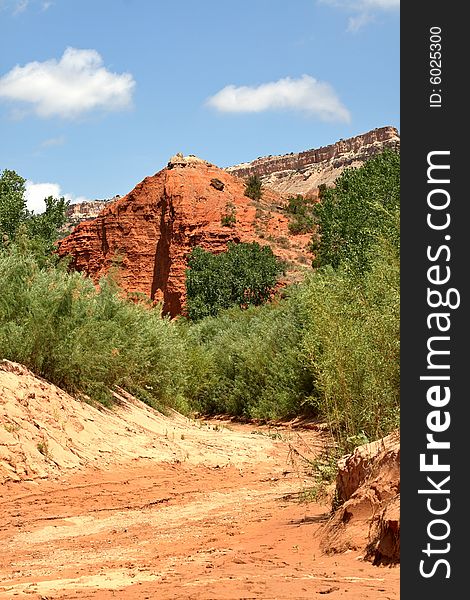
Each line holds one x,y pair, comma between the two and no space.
148,234
303,172
83,211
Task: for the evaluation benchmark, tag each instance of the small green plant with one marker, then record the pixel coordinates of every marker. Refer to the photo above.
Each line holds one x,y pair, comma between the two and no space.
253,187
283,242
229,219
12,427
324,470
274,435
301,218
43,448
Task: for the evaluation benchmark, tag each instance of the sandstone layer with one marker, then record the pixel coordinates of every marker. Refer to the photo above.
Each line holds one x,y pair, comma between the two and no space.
368,488
84,211
303,172
148,234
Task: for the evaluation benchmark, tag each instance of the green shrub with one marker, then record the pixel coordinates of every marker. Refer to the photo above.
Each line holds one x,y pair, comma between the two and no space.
249,362
353,344
301,216
253,187
84,340
229,219
361,209
245,274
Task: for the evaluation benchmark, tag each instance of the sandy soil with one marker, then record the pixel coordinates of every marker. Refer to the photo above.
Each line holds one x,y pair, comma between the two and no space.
179,509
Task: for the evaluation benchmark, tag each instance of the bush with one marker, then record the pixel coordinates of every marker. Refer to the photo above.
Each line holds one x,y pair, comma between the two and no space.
362,208
300,210
353,347
230,217
84,340
249,362
253,187
245,274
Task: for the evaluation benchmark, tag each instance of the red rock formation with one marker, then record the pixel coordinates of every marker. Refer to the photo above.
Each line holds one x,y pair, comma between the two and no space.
368,486
303,172
149,233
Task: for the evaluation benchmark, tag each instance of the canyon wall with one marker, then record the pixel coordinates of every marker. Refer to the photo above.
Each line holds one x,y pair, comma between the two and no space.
148,234
84,211
303,172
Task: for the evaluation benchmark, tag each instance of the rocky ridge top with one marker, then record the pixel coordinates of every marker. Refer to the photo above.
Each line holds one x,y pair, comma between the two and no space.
303,172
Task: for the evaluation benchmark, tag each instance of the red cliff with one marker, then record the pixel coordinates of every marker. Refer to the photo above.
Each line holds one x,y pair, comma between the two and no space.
149,233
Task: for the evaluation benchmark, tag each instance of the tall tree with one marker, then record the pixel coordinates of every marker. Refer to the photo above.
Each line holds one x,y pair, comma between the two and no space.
45,227
12,205
40,231
362,209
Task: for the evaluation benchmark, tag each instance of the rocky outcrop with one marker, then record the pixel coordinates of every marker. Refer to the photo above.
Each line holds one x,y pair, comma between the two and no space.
303,172
368,489
84,211
148,234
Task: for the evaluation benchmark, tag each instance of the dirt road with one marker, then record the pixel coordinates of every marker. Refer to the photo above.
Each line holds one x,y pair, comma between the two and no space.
144,529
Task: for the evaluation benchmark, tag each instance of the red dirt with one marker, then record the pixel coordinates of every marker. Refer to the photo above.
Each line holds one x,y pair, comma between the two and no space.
129,503
144,529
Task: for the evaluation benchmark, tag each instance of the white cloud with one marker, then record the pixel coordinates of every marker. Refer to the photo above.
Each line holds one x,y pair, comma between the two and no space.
359,21
16,7
51,142
363,11
36,192
74,85
20,6
305,94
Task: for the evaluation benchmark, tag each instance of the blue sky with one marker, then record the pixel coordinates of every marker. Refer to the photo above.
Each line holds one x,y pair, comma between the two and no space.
97,94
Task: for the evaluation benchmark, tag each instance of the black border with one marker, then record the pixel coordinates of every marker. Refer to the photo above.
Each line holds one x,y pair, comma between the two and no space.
424,129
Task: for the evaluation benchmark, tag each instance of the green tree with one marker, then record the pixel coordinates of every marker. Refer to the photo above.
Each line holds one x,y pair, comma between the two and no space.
44,228
361,209
37,233
300,210
245,274
12,205
253,187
